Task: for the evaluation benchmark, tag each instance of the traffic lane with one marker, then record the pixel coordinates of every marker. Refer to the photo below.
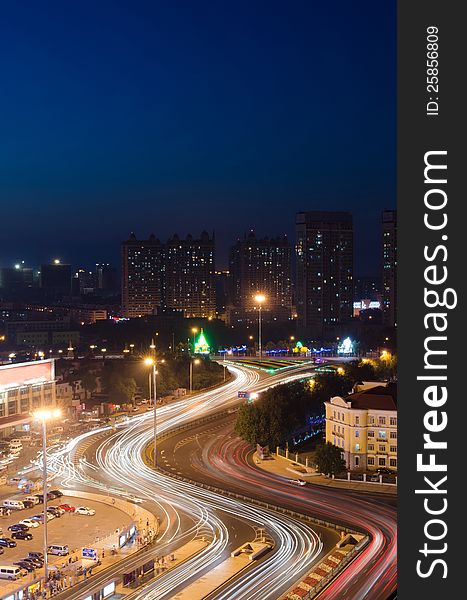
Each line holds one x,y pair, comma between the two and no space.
374,571
76,531
183,454
225,465
171,522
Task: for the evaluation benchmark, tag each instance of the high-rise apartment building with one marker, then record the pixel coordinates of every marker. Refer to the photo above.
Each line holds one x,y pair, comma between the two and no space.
324,283
190,275
15,281
142,276
106,276
55,280
389,267
261,266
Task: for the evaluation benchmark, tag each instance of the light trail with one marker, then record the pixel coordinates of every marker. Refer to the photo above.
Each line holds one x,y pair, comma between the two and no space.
119,459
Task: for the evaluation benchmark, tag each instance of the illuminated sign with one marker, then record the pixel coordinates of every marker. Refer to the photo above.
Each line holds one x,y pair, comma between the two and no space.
132,531
122,540
201,345
346,346
30,373
109,589
365,305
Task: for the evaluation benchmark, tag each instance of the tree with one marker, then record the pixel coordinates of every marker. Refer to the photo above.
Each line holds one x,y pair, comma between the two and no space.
89,382
329,459
122,389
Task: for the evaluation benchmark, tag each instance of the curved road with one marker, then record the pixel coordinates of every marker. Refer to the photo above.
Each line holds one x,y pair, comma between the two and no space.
120,467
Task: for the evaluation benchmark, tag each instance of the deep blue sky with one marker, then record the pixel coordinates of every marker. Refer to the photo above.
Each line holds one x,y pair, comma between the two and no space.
187,115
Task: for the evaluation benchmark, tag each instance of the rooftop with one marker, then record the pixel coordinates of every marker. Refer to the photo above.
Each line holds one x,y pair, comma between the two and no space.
381,397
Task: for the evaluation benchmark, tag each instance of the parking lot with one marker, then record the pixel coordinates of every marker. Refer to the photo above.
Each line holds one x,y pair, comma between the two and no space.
76,531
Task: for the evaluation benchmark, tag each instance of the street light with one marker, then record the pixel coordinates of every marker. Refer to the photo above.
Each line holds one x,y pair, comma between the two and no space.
196,362
260,298
229,352
194,331
43,416
151,362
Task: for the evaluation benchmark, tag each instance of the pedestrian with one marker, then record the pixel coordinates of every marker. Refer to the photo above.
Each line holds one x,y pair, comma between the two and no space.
103,552
84,572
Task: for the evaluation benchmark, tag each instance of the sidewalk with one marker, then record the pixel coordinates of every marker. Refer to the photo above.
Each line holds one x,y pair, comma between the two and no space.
164,564
283,467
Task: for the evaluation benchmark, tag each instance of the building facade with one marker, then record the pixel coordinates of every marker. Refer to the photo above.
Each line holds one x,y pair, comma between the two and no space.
189,283
389,248
324,260
55,281
364,426
261,266
25,387
142,276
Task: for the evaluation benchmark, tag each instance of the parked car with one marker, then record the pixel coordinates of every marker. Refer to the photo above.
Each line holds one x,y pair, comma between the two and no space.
53,494
36,555
33,499
40,498
384,471
38,518
7,542
11,572
13,504
21,535
58,549
29,523
55,511
67,507
37,562
85,510
18,527
27,503
25,565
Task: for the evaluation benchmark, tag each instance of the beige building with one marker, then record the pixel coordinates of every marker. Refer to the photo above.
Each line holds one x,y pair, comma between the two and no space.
364,425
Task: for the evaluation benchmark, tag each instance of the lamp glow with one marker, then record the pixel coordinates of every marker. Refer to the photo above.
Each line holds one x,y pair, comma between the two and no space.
46,415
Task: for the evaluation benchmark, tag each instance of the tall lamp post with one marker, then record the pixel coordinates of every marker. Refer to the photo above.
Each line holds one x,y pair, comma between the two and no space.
43,416
229,352
194,331
196,361
151,362
259,299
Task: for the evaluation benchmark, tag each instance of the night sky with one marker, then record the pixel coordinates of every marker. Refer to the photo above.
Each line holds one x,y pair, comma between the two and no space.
187,115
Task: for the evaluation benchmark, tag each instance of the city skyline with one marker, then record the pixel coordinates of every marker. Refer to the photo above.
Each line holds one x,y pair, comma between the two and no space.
100,136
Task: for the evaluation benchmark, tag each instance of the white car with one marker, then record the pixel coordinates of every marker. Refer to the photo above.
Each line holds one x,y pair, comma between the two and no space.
297,481
29,523
135,499
84,510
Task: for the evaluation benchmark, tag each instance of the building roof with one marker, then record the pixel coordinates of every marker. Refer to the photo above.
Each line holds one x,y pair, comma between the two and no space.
381,397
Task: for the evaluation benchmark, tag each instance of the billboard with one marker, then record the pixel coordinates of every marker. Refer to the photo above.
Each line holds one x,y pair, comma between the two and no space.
18,374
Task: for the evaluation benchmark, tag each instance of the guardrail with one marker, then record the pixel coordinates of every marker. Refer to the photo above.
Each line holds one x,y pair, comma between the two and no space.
333,573
200,421
268,506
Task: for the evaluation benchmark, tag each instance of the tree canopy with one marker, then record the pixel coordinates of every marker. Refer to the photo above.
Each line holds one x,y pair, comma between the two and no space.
329,459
